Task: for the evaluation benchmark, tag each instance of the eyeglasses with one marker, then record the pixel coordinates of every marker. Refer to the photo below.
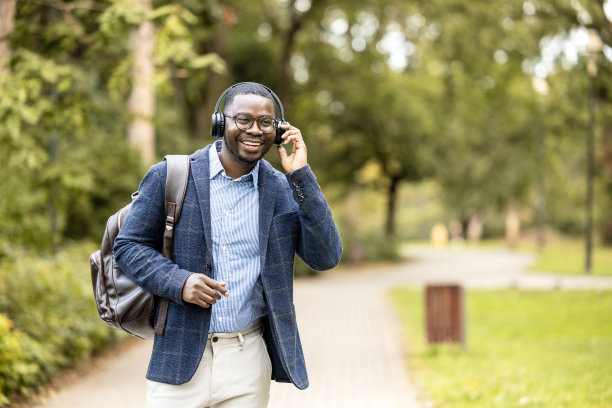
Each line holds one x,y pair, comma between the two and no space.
244,121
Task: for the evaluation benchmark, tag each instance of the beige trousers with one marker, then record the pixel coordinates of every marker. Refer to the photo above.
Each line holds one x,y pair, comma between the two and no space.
234,372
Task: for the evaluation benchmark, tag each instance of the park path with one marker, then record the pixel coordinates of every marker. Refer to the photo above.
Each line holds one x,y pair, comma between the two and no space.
351,336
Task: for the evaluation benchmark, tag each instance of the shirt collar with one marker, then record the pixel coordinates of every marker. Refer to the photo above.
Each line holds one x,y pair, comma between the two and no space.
216,167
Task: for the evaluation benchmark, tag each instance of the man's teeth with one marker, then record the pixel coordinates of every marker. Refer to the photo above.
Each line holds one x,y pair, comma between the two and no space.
246,142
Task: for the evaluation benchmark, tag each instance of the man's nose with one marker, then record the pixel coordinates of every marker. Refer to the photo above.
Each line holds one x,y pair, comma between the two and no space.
255,128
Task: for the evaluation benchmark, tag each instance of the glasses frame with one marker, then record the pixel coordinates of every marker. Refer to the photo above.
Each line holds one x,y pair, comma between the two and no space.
254,119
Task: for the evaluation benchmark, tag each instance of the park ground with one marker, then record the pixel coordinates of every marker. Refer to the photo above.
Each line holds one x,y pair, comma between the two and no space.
352,336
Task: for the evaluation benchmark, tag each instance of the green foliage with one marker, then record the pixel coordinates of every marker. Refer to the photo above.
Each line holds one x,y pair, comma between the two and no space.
62,114
373,247
300,269
48,318
41,103
544,349
18,366
61,148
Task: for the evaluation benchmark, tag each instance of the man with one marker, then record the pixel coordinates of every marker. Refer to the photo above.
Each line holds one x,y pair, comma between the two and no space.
231,323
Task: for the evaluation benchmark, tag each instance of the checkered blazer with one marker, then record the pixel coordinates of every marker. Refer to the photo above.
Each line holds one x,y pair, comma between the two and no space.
294,217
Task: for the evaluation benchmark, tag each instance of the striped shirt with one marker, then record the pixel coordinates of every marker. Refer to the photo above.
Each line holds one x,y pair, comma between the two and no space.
234,210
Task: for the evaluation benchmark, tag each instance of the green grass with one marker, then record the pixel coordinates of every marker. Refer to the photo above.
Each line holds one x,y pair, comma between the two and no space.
560,255
568,257
532,349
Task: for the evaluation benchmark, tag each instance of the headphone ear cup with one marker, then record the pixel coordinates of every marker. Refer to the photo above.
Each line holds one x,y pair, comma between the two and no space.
279,131
218,125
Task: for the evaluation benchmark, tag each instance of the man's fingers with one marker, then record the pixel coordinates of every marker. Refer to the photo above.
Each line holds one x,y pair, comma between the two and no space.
203,290
216,285
208,300
207,288
202,303
220,288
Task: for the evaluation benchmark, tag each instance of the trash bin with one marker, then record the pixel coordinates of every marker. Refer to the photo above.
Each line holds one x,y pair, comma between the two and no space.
445,314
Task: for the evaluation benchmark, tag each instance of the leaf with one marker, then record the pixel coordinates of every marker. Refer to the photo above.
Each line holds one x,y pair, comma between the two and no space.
211,60
188,16
163,11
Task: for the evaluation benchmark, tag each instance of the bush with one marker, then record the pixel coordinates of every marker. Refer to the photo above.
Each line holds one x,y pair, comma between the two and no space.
48,317
301,269
370,248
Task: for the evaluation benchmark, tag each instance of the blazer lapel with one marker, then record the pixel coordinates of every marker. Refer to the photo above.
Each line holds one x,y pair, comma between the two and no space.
267,200
200,170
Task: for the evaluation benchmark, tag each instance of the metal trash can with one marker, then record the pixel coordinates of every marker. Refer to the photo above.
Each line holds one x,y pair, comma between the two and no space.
445,314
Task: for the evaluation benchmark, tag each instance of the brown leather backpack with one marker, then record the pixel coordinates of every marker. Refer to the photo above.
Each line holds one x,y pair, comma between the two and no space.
121,302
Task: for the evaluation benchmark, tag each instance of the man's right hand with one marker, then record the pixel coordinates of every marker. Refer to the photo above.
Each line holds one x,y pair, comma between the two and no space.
202,290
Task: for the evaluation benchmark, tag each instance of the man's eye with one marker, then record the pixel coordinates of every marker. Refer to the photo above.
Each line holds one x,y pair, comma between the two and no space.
243,121
266,122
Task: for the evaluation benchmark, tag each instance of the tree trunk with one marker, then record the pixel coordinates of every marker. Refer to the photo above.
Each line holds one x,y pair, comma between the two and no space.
473,229
284,74
141,105
213,86
606,231
513,228
391,204
7,23
352,220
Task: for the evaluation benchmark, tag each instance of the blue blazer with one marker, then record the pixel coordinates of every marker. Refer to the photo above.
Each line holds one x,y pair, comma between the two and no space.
294,217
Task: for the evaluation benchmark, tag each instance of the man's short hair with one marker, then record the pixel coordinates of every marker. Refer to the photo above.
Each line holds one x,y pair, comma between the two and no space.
247,88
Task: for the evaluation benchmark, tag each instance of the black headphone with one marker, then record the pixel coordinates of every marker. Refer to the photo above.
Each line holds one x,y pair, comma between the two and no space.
218,119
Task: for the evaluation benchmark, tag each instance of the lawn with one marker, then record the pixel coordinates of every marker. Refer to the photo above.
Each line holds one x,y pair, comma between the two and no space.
531,349
568,257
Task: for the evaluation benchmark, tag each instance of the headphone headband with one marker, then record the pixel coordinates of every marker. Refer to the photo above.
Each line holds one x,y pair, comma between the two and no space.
276,98
218,119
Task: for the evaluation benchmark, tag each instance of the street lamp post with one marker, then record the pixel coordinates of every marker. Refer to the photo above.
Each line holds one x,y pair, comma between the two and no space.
594,47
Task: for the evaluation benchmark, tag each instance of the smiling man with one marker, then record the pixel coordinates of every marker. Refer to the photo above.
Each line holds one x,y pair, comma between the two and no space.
231,324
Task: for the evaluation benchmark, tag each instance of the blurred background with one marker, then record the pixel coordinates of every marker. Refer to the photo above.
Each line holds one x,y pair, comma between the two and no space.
445,121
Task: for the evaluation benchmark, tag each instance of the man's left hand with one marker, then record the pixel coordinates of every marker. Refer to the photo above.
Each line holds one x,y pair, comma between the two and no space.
298,158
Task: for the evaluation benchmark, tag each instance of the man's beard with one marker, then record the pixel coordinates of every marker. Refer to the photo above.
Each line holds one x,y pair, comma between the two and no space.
238,156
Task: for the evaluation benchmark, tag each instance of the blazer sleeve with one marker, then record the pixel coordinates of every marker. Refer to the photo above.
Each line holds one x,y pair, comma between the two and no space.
319,244
138,245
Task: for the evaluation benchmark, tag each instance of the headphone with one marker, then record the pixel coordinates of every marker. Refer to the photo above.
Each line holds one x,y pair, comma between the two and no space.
218,119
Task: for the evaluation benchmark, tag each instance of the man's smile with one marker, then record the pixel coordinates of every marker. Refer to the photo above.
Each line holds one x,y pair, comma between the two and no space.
252,142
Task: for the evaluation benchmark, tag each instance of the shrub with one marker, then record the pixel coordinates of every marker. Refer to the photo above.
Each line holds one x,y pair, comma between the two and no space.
370,248
48,317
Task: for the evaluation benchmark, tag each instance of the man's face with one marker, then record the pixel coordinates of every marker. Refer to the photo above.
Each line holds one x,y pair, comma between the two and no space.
248,146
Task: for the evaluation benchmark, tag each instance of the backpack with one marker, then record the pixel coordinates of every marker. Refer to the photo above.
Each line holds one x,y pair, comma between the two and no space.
121,302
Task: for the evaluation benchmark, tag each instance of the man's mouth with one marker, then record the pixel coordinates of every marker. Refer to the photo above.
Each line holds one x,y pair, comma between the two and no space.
252,143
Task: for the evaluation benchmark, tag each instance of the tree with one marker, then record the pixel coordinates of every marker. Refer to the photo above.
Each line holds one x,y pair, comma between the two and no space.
63,112
7,22
141,104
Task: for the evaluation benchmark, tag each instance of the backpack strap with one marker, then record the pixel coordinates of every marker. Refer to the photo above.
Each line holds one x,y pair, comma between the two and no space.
177,177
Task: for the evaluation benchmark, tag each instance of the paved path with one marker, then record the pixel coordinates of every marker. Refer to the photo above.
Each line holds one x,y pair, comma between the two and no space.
350,333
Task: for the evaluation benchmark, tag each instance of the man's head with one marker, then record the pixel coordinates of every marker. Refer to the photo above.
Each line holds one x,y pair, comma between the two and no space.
249,108
246,88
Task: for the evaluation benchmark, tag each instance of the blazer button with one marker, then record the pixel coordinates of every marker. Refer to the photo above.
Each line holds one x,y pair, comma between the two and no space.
208,267
215,339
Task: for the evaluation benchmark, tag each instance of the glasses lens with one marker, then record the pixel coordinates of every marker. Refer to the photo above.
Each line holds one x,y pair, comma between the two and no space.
244,121
266,124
